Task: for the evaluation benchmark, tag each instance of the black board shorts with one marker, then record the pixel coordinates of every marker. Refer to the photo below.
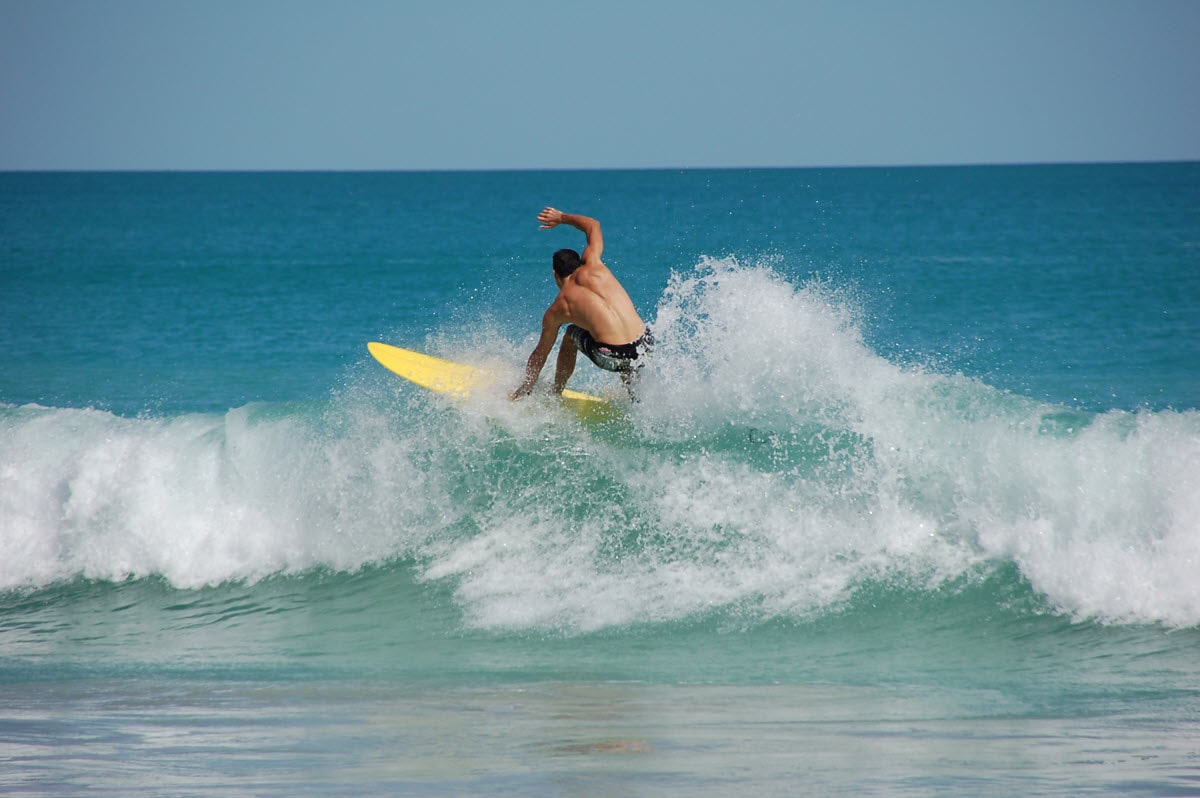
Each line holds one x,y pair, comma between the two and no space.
612,357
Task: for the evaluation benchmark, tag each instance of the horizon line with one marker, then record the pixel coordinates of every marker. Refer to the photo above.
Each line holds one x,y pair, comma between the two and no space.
502,169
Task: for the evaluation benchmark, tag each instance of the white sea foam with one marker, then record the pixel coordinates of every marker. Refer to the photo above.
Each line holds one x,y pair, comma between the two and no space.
775,464
197,499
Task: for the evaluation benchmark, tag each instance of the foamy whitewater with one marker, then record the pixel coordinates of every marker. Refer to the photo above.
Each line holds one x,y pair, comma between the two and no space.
909,503
768,478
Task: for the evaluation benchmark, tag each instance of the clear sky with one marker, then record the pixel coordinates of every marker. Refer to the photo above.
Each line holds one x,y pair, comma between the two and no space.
526,84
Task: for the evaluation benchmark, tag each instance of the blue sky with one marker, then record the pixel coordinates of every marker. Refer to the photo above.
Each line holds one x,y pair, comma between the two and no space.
362,84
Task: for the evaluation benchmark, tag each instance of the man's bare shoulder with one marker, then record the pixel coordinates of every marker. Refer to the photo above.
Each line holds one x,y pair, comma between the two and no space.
560,308
593,276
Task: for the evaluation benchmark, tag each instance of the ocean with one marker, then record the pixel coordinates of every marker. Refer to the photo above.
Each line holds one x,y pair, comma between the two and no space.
909,505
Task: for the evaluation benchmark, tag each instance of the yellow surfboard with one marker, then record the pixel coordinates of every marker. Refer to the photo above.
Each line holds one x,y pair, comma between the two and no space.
458,380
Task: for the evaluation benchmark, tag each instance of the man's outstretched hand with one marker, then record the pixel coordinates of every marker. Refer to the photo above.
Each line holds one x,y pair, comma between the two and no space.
550,217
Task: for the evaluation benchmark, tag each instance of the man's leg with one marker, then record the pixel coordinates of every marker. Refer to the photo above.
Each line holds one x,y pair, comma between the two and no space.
630,378
566,362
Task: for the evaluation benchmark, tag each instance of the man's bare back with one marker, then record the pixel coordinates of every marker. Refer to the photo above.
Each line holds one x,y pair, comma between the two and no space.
593,299
604,322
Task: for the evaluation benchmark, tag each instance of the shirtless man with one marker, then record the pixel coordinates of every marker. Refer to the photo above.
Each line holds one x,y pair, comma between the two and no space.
603,322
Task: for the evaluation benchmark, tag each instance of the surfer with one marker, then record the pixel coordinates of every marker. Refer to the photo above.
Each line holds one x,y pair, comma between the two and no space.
603,323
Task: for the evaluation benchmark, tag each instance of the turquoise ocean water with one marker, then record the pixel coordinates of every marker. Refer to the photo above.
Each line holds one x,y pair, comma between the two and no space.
911,504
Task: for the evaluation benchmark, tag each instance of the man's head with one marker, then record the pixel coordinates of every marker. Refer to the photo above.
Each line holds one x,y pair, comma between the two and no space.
566,261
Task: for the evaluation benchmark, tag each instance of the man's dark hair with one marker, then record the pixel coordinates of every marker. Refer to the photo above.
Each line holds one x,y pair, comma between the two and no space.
566,261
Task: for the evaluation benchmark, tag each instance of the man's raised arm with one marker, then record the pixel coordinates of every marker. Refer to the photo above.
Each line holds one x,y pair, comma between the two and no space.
552,217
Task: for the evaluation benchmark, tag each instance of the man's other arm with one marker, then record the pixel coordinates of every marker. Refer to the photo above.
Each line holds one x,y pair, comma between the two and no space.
537,358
